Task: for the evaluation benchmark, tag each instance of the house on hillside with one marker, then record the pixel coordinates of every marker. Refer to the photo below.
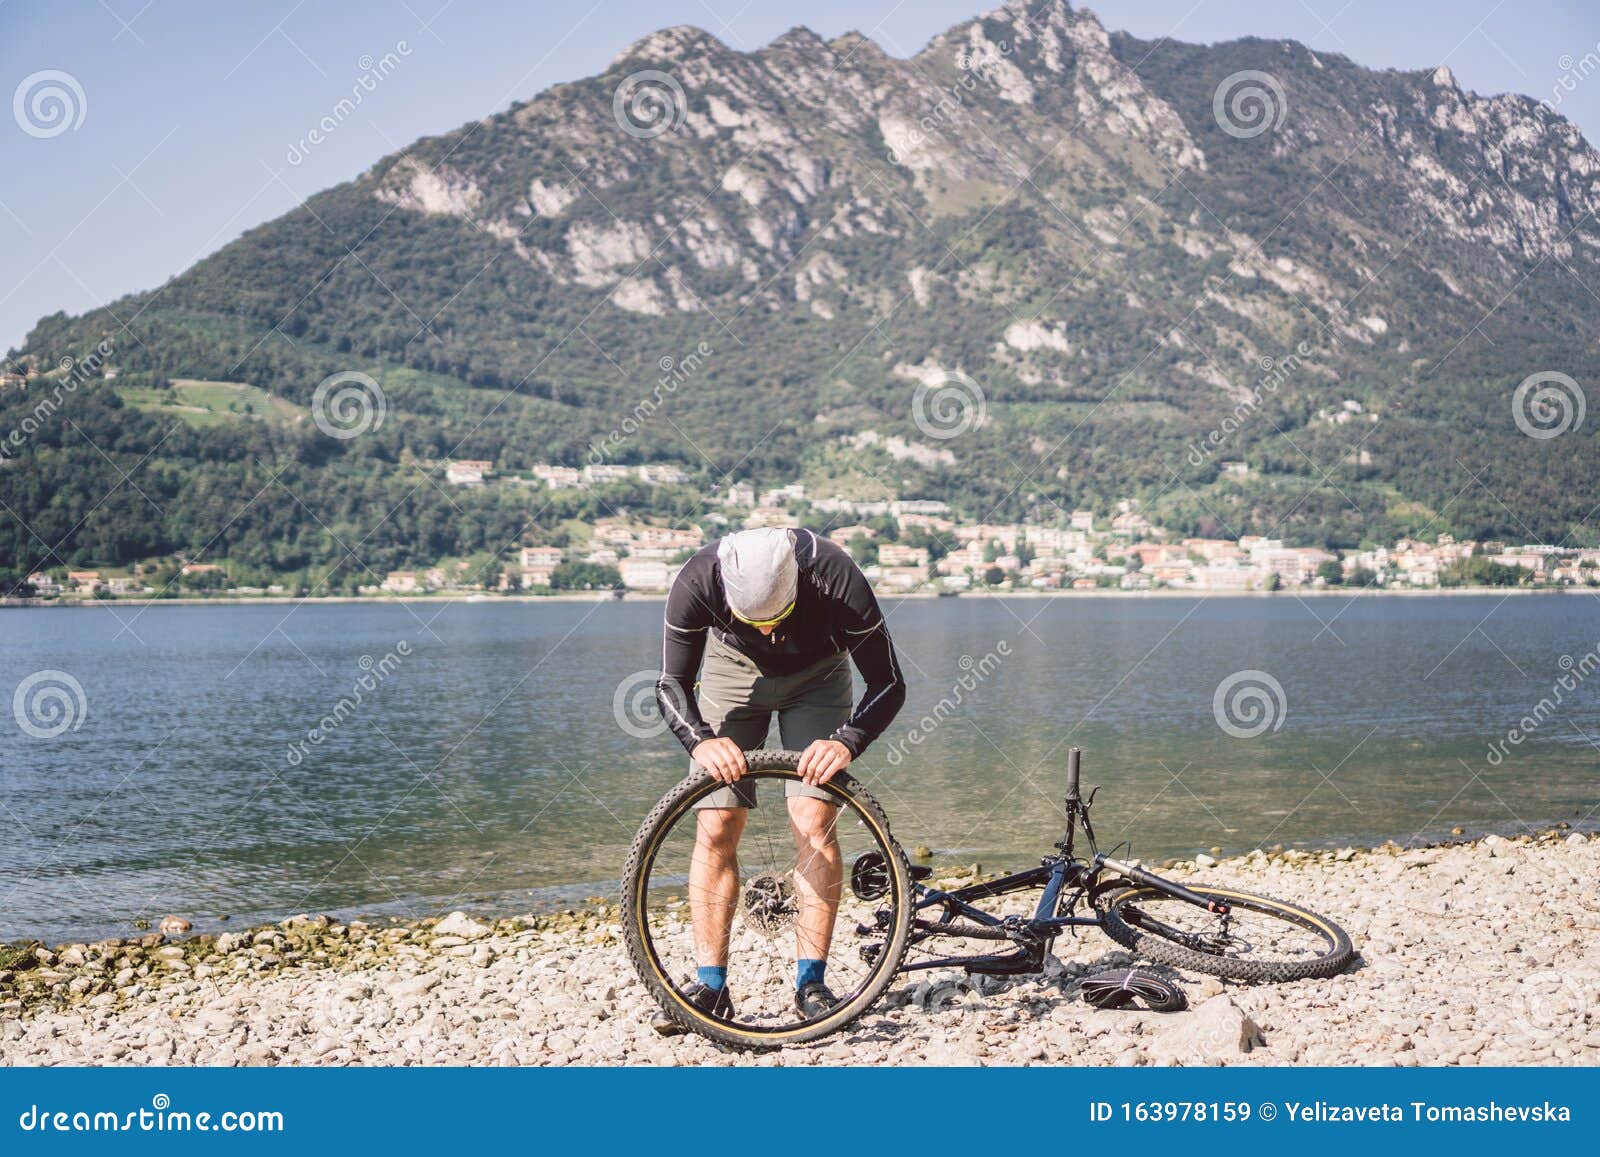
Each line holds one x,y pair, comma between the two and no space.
644,574
1157,554
612,532
769,516
1296,566
1131,525
894,554
1173,574
928,522
897,578
467,471
534,557
783,495
661,475
1213,549
1006,534
557,477
599,475
663,542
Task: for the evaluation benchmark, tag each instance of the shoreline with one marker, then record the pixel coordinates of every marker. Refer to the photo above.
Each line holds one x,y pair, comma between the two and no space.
476,598
551,901
1452,968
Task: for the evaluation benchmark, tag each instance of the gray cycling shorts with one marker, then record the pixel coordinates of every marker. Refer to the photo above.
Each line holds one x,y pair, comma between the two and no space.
738,701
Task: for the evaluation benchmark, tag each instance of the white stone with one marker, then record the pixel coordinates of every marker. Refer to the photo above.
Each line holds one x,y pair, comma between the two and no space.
462,925
1217,1032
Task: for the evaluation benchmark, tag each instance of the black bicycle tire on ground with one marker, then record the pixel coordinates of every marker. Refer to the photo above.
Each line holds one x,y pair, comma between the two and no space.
635,879
1164,951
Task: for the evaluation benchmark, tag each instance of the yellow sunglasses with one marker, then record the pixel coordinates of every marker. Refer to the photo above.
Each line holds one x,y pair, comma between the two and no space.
772,622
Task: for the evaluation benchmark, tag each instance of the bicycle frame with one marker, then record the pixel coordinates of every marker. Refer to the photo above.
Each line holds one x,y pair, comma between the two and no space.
1065,879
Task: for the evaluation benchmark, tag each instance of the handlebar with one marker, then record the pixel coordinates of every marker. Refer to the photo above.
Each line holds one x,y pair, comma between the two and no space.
1074,755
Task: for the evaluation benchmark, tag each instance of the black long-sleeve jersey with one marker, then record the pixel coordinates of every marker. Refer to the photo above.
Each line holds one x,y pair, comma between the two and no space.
835,610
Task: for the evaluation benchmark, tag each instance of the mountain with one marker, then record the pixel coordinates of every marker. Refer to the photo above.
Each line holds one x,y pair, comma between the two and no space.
1134,261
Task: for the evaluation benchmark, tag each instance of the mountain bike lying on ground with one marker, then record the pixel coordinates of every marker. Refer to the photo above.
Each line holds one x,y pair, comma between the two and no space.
887,908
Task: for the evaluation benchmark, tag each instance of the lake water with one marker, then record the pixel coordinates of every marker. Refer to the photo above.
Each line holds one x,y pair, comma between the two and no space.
486,767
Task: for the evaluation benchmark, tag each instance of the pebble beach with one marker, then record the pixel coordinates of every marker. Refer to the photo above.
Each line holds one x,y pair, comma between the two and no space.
1472,953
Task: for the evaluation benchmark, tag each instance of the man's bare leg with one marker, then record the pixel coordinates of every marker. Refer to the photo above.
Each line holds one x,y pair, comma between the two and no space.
819,874
714,882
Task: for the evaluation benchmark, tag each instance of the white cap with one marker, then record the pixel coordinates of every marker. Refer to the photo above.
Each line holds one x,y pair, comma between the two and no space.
759,572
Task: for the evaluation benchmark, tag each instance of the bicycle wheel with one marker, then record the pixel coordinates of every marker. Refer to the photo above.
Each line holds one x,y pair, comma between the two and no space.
1259,940
774,904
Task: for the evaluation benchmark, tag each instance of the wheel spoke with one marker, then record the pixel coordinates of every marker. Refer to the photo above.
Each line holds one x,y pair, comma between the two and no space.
782,889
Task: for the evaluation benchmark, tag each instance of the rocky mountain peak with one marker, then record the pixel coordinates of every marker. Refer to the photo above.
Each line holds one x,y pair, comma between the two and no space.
1070,216
800,39
681,42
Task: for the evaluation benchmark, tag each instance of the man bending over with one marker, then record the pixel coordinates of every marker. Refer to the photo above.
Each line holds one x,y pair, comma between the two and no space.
767,618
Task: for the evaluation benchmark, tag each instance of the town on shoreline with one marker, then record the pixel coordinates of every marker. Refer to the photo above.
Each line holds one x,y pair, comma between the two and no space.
906,547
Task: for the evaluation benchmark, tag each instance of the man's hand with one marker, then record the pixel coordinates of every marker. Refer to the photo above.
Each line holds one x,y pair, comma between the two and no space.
722,757
821,761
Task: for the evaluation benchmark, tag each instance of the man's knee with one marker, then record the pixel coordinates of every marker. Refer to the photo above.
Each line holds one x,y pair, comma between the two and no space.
814,820
719,828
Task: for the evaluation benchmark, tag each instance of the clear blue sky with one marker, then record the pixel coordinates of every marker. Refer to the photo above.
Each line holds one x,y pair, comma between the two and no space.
192,109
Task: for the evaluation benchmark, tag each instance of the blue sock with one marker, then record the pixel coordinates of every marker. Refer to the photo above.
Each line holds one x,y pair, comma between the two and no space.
712,976
809,972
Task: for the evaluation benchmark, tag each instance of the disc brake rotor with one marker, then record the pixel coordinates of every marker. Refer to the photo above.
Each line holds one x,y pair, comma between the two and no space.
1222,941
768,902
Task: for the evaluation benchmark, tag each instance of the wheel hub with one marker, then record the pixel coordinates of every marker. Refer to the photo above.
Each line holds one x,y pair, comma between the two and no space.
768,901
